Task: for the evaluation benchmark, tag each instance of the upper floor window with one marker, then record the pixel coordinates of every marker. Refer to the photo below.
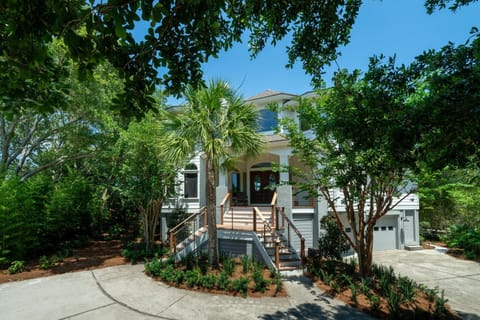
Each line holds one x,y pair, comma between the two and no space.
190,180
268,120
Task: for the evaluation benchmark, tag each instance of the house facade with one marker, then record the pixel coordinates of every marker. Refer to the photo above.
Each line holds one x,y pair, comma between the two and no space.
253,181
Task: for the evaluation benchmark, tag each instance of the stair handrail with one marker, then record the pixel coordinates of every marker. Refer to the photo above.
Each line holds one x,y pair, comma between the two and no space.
272,230
226,198
295,229
273,203
175,230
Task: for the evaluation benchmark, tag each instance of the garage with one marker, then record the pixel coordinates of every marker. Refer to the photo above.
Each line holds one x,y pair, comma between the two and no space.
385,233
304,224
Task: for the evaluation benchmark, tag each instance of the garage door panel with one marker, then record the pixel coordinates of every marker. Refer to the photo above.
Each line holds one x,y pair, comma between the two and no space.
385,234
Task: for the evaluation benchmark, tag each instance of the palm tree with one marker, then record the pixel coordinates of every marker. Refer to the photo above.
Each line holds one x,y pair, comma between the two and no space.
216,122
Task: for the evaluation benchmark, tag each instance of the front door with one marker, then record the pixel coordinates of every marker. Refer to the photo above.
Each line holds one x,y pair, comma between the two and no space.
262,186
409,227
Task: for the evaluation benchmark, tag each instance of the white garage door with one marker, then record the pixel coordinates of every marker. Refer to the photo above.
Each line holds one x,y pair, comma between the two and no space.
304,224
385,233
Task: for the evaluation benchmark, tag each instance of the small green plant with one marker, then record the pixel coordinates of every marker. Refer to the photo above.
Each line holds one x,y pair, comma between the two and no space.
16,266
337,288
260,283
440,308
278,283
245,264
374,302
208,281
326,277
155,266
229,266
45,263
192,277
136,252
393,303
223,281
241,285
365,286
354,291
203,262
384,285
406,288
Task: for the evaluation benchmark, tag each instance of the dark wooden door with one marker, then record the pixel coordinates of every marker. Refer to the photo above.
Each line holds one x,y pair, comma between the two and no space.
262,186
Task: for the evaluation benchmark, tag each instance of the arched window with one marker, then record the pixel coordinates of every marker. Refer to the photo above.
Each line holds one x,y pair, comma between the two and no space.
190,180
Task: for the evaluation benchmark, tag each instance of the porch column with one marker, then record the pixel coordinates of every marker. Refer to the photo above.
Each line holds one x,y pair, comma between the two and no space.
221,190
285,190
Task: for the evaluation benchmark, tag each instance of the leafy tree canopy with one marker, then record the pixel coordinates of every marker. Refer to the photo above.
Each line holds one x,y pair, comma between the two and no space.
180,36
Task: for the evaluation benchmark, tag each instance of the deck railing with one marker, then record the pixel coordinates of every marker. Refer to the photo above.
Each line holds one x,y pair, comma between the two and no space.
225,205
301,198
187,228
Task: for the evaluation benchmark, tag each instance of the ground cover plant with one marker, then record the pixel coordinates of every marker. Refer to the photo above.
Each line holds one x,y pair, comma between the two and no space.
236,276
384,294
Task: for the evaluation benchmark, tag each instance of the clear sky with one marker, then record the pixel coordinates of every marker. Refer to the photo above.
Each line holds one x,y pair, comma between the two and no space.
400,27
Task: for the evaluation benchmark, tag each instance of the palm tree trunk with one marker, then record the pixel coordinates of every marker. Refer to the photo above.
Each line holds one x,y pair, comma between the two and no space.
212,215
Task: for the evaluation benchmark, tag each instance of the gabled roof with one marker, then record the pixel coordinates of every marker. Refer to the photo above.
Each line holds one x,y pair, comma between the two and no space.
269,93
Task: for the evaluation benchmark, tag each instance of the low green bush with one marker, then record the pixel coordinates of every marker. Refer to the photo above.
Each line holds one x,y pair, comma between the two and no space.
138,251
466,238
241,285
16,267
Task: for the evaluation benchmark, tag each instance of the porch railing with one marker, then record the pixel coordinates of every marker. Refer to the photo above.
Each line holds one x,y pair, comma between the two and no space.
273,203
284,222
188,227
301,198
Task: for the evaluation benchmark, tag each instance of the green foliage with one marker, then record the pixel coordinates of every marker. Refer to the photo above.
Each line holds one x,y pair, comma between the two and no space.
192,277
406,288
374,302
45,263
178,42
223,281
138,251
155,266
229,266
260,283
16,267
440,308
241,285
331,242
246,264
208,280
394,301
465,237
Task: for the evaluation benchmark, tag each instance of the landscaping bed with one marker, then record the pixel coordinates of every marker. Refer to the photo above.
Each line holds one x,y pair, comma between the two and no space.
383,295
235,276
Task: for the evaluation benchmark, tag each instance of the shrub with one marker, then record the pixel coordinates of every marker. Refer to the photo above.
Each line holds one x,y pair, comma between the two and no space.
465,237
229,266
365,286
394,301
440,309
192,277
155,266
260,283
45,263
245,264
406,288
331,242
223,281
16,267
208,281
374,302
241,285
138,251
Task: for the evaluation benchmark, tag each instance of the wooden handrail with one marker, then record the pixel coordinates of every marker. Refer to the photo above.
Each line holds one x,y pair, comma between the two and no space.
174,230
297,232
222,205
272,204
272,231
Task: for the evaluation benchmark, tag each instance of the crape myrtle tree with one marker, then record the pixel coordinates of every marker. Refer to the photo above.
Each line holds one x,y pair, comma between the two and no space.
144,177
359,149
164,43
217,124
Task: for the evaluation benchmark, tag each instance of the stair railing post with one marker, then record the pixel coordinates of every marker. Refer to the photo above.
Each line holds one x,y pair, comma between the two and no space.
254,220
288,234
273,216
221,213
205,220
283,217
302,250
277,253
277,226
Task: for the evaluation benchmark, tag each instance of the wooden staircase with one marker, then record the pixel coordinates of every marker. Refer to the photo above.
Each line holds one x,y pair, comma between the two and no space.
241,218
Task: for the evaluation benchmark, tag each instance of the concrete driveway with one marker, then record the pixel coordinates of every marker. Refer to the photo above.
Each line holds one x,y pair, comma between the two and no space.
459,278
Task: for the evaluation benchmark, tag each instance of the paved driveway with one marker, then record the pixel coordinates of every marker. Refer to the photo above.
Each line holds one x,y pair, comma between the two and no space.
459,278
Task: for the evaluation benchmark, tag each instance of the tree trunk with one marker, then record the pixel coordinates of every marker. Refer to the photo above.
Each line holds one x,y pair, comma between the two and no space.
212,215
364,252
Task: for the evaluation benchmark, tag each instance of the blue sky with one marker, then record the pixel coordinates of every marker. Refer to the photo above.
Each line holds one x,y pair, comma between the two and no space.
400,27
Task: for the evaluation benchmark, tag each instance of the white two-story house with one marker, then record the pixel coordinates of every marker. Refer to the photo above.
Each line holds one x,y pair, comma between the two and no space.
249,185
